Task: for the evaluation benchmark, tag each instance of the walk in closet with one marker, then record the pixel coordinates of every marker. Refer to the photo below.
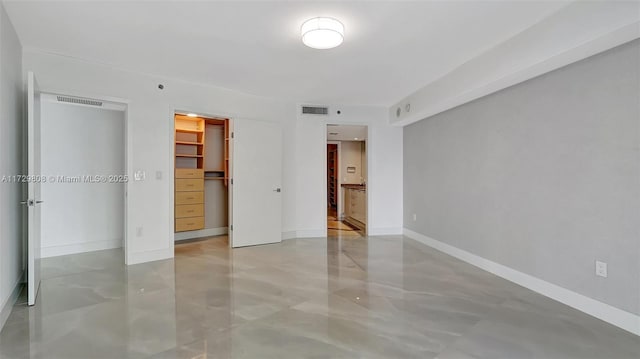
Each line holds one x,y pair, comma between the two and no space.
201,176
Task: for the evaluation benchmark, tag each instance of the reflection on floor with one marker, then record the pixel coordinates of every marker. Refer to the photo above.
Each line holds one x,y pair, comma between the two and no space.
336,228
378,297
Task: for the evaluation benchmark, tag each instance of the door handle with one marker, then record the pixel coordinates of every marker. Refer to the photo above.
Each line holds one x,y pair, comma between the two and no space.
39,202
277,190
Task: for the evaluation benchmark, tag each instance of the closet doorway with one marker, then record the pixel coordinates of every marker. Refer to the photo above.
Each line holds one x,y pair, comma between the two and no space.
346,178
201,176
228,176
83,160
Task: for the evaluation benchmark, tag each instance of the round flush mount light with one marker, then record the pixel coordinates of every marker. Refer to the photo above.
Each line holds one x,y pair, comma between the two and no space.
322,33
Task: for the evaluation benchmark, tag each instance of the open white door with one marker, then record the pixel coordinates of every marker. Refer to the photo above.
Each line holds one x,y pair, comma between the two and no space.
256,196
33,200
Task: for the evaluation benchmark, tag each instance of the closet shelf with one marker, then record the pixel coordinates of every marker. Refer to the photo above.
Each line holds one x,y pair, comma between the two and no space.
189,143
200,150
185,130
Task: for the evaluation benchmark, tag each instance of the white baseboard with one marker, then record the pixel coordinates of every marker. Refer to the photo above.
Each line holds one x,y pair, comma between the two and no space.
311,233
62,250
149,256
8,305
385,231
288,235
615,316
209,232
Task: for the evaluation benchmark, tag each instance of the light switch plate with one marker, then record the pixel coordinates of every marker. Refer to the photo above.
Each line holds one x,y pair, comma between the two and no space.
139,175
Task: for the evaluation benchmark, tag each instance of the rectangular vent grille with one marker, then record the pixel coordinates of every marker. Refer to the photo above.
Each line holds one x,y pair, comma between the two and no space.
311,110
79,101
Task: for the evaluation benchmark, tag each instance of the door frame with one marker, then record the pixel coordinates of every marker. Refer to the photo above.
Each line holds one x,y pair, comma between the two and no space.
128,142
339,174
125,160
370,179
172,168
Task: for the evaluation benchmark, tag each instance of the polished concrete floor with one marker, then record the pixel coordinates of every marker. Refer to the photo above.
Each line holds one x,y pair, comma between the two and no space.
381,297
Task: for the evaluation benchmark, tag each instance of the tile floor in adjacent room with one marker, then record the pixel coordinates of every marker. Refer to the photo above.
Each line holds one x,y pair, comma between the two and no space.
337,228
379,297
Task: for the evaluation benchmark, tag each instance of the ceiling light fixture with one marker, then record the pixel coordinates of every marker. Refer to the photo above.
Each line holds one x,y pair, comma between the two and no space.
192,114
322,33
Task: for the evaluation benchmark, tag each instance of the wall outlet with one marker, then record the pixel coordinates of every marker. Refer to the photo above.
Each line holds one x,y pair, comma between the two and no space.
139,231
601,269
415,217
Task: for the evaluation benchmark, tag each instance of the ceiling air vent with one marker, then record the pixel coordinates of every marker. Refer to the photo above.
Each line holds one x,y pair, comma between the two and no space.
315,110
79,101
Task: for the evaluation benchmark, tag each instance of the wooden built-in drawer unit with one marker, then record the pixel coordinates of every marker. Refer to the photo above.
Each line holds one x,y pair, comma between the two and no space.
201,145
189,198
189,173
189,184
190,210
189,224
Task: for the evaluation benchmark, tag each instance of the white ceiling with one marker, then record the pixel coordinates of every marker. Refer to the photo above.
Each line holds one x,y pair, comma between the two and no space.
346,133
390,48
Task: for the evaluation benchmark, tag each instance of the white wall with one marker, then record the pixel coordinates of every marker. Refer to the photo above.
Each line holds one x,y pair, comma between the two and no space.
11,163
351,156
365,160
150,130
150,125
81,141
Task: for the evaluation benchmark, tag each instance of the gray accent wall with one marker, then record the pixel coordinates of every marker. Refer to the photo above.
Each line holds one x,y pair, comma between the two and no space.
543,177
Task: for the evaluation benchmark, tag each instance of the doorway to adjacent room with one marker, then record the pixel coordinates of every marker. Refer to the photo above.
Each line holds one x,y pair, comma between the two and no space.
346,181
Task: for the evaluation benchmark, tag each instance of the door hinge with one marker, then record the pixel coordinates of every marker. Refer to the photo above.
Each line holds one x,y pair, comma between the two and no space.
232,181
232,227
232,134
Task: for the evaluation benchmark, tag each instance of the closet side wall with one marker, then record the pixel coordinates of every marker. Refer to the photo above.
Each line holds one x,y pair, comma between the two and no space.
215,191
